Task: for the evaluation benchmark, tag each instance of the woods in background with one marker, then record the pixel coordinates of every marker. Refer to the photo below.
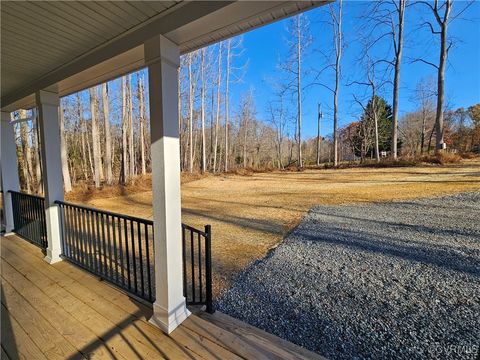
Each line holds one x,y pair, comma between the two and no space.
105,134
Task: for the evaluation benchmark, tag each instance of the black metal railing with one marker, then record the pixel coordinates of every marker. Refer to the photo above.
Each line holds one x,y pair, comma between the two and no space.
197,266
115,247
29,217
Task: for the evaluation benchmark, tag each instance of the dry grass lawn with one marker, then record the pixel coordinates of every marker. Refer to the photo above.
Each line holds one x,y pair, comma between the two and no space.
251,214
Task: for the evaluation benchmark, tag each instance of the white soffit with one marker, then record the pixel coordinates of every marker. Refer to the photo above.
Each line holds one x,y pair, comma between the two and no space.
69,46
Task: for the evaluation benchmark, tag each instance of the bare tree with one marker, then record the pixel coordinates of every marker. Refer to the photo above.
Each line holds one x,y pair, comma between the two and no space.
424,93
278,119
131,144
441,11
338,46
319,118
141,105
26,156
217,118
300,40
124,171
389,14
108,137
227,114
397,35
67,184
36,154
336,16
202,95
95,137
191,102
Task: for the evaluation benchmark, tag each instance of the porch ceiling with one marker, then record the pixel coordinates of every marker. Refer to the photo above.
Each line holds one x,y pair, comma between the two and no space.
70,45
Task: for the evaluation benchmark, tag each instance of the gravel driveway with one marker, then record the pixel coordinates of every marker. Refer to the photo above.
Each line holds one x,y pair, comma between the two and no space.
396,280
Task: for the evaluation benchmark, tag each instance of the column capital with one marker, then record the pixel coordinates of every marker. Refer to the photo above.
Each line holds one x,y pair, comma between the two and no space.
159,48
44,97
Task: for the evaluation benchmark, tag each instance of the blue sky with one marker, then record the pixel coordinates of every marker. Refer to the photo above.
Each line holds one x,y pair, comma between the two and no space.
267,46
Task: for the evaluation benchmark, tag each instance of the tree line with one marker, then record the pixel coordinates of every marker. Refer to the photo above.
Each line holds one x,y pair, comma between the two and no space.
105,129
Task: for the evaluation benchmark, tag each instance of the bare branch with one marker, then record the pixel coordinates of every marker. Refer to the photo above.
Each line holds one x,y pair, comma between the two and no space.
425,62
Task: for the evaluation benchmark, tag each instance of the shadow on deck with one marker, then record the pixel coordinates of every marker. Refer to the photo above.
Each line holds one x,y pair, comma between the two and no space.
61,312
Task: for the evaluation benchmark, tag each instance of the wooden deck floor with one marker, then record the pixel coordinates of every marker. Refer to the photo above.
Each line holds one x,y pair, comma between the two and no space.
61,312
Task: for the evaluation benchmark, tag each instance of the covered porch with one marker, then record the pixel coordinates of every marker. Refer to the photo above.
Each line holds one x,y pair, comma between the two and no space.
53,54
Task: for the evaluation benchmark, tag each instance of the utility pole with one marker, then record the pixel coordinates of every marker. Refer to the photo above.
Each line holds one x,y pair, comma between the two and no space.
320,115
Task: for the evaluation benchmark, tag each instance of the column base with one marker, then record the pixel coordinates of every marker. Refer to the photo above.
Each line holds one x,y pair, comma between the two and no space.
168,321
52,257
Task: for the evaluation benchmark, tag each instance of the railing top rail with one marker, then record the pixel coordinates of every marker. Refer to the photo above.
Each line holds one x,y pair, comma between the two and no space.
105,212
188,227
26,194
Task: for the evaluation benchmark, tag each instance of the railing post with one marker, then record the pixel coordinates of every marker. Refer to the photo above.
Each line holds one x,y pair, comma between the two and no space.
48,105
208,268
9,169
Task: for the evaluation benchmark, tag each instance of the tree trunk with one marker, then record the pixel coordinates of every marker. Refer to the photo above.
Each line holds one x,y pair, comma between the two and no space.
190,112
124,172
396,80
82,135
319,116
299,93
141,104
338,56
227,115
67,184
422,140
375,119
131,145
202,69
108,137
95,137
36,156
25,151
441,80
217,121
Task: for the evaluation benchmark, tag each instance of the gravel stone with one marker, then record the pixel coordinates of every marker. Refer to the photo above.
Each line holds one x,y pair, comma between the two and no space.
397,280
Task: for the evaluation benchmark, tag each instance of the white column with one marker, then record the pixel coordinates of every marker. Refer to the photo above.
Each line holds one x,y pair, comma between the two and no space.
9,166
49,128
163,58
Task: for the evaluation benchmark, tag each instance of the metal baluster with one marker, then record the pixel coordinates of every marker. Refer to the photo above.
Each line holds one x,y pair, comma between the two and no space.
98,243
127,254
140,254
200,279
109,245
184,260
88,219
82,237
134,260
120,244
104,246
192,259
148,264
115,247
208,269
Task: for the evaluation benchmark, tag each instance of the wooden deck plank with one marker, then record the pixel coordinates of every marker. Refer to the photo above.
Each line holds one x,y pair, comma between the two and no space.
41,332
253,335
118,335
110,323
188,343
100,288
194,343
16,342
73,330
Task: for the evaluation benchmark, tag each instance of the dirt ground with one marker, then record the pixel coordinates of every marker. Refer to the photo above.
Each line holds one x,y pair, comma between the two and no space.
251,214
